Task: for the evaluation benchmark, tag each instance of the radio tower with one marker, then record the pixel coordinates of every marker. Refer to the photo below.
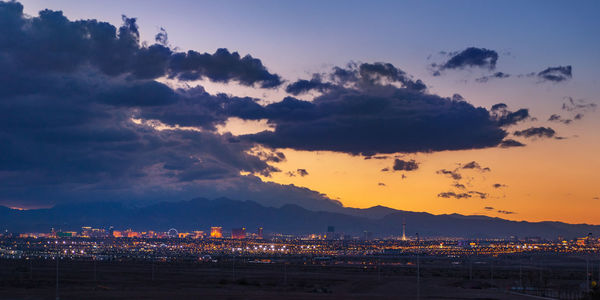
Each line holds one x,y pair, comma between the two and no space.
403,229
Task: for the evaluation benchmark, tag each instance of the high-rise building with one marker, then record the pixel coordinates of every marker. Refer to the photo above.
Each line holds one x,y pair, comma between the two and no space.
404,229
216,232
259,233
330,232
238,233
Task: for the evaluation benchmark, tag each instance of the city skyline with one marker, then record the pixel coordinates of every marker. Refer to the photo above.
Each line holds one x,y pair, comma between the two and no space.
83,125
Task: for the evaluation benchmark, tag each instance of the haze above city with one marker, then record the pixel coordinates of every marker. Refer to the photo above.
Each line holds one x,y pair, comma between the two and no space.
475,108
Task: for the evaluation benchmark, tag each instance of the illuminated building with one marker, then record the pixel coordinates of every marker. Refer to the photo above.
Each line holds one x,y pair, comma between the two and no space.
86,231
238,233
117,234
198,235
216,232
260,233
404,229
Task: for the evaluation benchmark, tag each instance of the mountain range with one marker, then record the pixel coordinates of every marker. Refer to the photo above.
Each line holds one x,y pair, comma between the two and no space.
201,214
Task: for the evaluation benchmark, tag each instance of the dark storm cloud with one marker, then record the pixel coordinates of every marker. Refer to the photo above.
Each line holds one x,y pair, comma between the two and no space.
50,42
508,143
367,114
556,74
405,165
454,195
472,57
68,93
539,132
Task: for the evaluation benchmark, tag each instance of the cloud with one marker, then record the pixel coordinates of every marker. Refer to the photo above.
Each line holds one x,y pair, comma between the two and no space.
453,174
508,143
498,185
376,157
52,43
459,186
481,195
302,172
596,198
385,169
556,74
578,105
405,165
82,119
473,165
303,86
488,208
506,212
505,117
559,118
472,57
368,114
381,184
497,75
539,132
454,195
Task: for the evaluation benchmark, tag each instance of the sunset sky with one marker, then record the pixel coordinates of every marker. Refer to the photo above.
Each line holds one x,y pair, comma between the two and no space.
443,107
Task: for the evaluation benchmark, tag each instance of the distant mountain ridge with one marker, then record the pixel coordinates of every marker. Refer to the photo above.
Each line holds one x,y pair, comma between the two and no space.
201,214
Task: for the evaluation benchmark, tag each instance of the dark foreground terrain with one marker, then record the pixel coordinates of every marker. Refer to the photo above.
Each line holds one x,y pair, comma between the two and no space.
299,278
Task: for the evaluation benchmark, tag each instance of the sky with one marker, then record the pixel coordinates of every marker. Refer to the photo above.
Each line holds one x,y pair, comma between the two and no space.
444,107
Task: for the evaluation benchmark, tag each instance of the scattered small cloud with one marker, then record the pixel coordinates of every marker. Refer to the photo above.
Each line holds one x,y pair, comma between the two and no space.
405,165
488,208
459,186
560,119
498,185
504,117
453,174
539,132
470,57
497,75
385,170
481,195
578,105
473,165
302,172
299,172
506,212
381,184
453,195
556,74
508,143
